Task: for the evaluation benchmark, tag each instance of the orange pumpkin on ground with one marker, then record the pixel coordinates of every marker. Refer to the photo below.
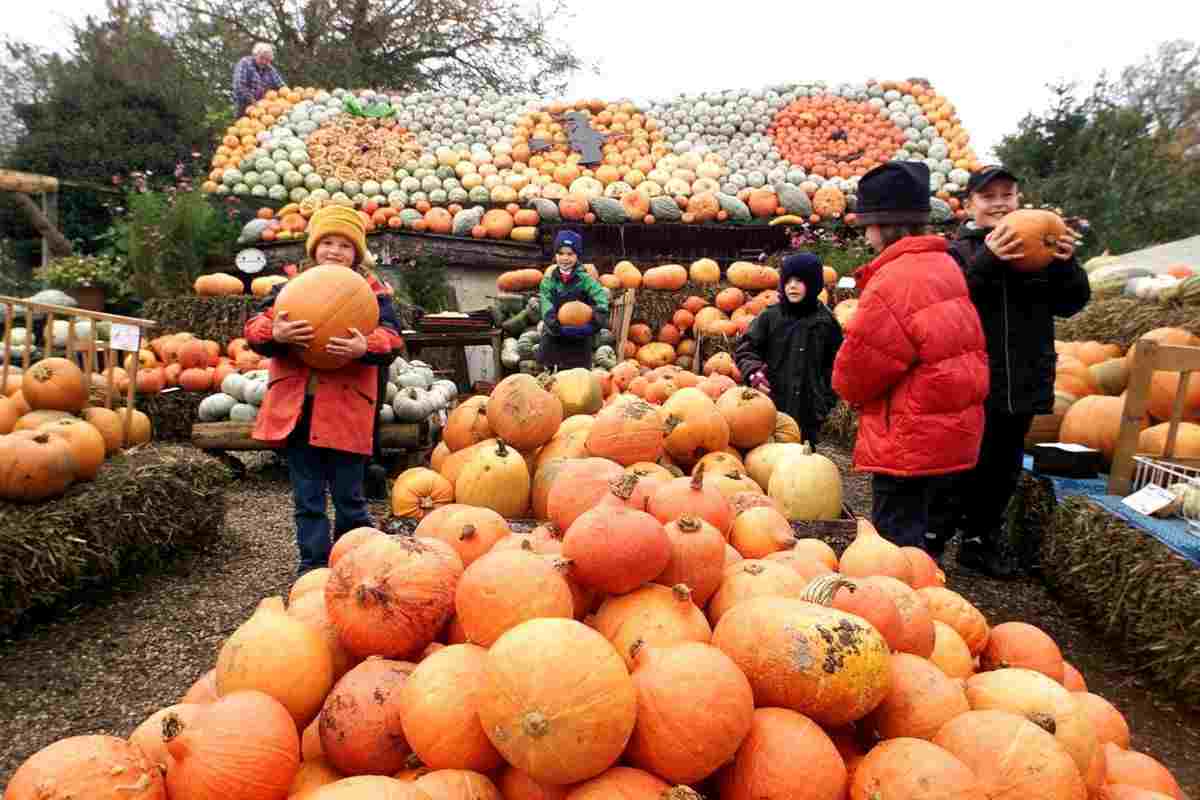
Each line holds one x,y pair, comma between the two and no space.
557,700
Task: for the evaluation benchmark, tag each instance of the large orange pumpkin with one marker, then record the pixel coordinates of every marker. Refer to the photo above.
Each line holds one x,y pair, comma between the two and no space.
574,312
522,413
360,722
1019,644
467,424
109,423
1040,232
920,700
954,610
87,766
557,700
917,633
846,676
391,596
750,414
504,588
697,556
1153,440
694,709
786,754
1012,757
577,486
654,615
418,491
498,223
668,277
694,426
439,711
913,769
333,300
471,530
628,431
519,280
35,465
614,548
54,384
1128,768
1095,422
86,443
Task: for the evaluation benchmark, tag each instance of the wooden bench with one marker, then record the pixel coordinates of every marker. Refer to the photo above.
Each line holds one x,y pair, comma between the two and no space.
221,438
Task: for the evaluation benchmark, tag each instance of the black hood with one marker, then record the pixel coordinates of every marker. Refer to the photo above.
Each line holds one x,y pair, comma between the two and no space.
808,268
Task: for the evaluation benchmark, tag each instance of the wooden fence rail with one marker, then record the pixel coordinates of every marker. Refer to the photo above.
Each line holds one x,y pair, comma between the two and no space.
89,348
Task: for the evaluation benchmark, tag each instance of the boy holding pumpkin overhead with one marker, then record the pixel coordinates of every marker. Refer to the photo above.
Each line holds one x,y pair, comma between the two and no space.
1017,309
914,363
325,419
789,349
566,342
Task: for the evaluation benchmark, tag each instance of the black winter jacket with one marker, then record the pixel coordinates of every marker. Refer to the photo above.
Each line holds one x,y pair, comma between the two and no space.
1017,310
797,352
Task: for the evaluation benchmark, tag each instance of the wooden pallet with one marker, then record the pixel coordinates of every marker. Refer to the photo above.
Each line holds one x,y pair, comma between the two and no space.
226,436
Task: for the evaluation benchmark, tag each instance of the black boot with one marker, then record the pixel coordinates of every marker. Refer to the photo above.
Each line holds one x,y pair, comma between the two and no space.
983,556
375,484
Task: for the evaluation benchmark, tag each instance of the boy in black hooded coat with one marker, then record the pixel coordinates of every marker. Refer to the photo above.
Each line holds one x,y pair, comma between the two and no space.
789,349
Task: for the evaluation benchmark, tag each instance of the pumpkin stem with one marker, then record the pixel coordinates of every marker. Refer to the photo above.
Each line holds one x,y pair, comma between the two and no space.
413,762
553,530
623,486
535,724
688,524
172,726
682,792
562,564
683,592
501,450
527,545
425,503
1044,721
821,590
698,479
468,532
671,423
754,569
749,393
637,647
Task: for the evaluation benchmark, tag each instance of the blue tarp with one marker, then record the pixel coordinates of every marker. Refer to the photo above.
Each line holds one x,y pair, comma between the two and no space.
1174,533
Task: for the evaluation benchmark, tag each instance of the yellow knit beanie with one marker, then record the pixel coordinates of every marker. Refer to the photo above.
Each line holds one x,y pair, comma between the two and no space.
340,220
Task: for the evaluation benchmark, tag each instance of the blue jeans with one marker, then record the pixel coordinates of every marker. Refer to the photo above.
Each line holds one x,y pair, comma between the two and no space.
313,471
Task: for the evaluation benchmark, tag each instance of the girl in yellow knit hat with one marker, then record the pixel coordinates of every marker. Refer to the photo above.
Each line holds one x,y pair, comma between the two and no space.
324,420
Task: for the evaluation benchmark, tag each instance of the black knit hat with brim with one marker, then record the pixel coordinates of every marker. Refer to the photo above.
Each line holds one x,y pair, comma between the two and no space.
896,193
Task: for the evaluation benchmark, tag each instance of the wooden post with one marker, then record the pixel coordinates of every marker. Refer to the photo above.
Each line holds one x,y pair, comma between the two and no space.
1121,475
8,326
48,334
131,391
109,363
29,331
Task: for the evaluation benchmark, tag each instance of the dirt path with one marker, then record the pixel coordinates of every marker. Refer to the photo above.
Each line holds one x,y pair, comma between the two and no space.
106,664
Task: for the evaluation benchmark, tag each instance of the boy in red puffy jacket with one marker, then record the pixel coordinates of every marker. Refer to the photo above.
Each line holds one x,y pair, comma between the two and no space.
914,362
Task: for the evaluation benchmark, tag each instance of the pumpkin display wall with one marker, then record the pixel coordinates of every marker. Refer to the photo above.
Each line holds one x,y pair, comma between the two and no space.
468,165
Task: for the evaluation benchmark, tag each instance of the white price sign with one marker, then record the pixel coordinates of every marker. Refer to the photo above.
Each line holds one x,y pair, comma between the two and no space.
1149,499
846,283
125,337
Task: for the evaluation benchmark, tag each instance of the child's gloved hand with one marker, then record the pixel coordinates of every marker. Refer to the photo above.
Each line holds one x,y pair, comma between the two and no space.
578,331
759,381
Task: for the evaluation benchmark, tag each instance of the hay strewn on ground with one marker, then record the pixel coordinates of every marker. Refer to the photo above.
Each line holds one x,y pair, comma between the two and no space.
1136,590
1122,320
841,426
144,505
219,318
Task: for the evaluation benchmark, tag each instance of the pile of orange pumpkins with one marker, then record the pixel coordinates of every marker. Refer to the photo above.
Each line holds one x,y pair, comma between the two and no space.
187,361
1089,398
50,437
655,636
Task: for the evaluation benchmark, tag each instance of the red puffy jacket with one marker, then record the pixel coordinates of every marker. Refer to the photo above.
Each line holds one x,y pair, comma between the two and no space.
914,363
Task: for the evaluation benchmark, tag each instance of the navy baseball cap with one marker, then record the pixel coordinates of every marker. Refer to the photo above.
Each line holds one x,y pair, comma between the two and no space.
986,175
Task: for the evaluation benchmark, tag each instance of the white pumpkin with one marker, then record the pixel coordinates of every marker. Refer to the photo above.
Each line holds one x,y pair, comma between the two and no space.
216,407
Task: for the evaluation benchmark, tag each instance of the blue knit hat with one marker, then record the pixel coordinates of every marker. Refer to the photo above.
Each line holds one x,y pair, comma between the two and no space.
571,239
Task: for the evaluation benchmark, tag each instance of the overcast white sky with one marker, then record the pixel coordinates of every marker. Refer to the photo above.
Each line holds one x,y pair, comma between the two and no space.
992,60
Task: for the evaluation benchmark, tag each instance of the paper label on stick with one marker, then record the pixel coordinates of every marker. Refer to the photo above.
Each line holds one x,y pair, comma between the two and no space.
1149,499
846,283
125,337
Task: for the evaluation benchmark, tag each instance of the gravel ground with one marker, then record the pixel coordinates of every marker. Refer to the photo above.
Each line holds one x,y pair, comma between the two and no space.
106,663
